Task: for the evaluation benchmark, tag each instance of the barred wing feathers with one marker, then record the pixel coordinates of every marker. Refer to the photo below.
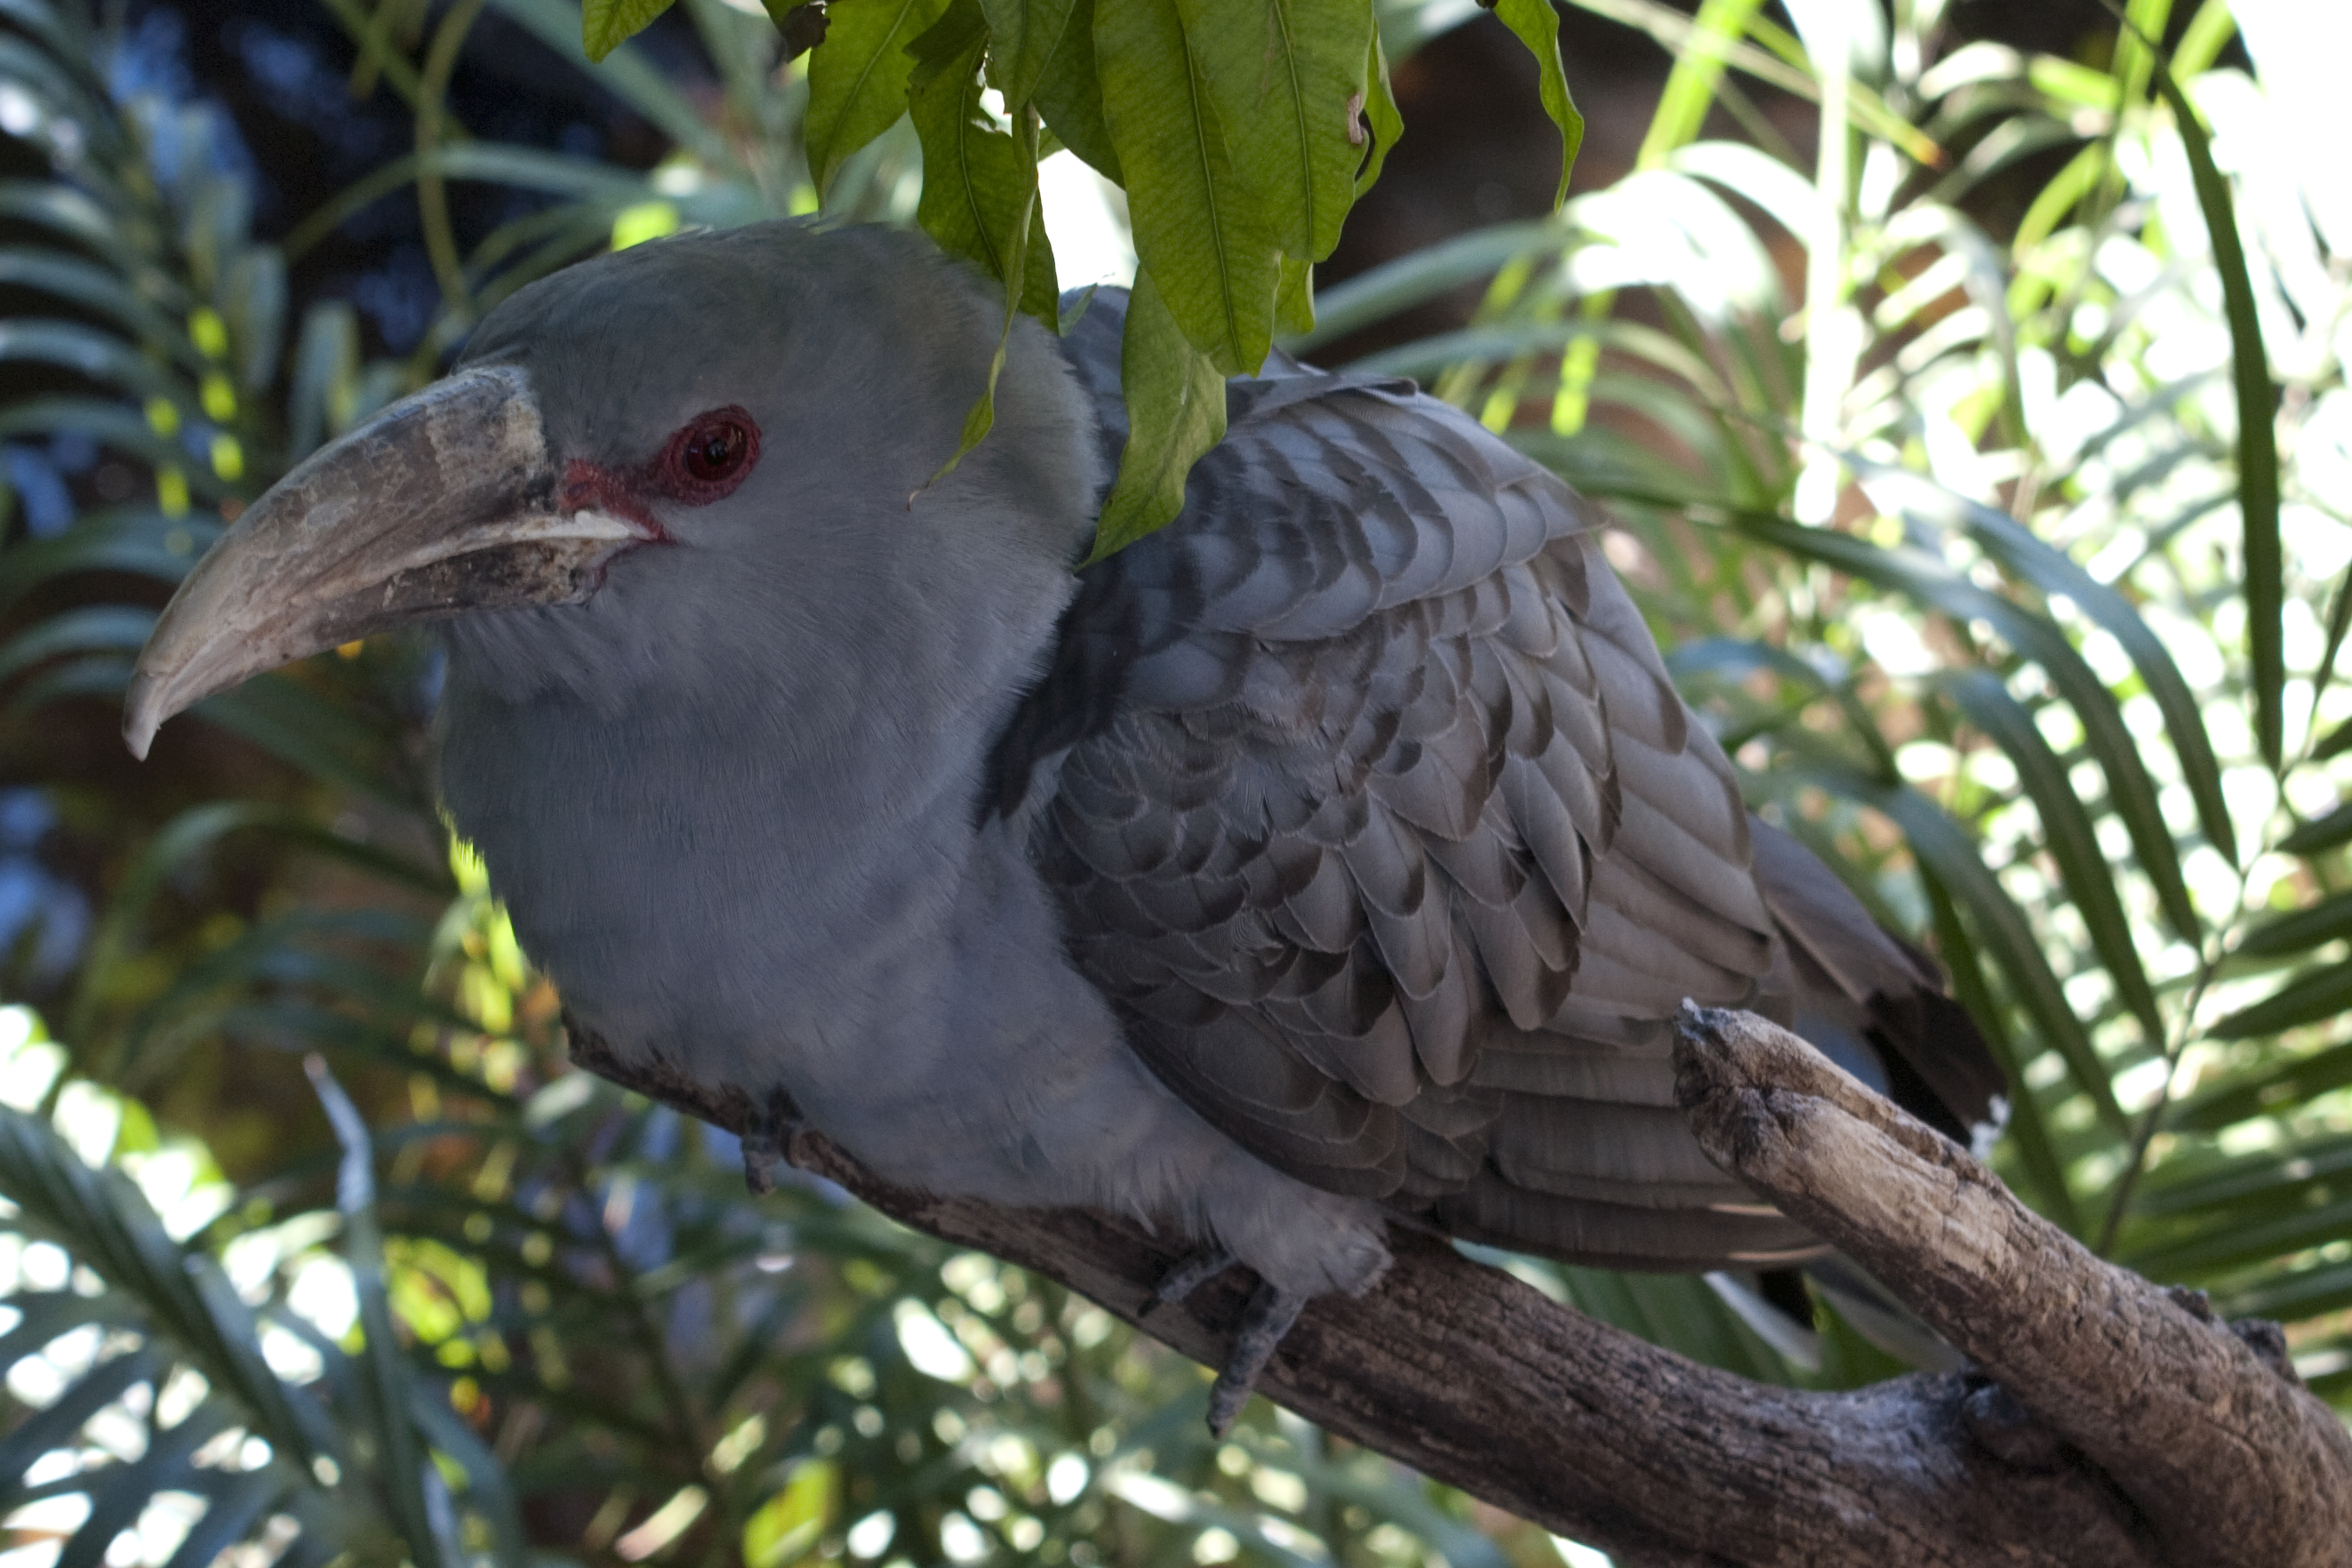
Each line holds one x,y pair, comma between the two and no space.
1378,820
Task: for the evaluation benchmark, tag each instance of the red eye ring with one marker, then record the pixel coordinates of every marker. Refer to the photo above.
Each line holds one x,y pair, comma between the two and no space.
709,456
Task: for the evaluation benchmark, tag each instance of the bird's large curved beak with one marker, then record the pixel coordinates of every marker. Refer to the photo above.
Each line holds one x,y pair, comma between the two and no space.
445,501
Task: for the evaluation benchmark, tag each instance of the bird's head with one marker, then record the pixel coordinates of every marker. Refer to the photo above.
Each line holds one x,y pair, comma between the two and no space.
705,453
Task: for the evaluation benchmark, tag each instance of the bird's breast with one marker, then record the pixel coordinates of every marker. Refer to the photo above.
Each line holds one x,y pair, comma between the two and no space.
692,893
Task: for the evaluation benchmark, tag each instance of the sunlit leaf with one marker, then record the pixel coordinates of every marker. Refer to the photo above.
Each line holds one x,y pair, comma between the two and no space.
2258,458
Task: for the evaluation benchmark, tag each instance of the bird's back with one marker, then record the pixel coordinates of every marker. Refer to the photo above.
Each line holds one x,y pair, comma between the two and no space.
1368,803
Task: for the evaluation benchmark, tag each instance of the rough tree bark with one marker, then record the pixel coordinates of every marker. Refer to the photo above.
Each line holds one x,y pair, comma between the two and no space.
2108,1424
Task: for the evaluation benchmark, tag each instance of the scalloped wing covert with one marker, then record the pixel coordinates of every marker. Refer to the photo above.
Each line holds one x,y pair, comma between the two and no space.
1383,827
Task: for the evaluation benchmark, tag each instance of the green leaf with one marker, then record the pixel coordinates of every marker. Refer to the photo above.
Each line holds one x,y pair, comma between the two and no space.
1538,26
2323,833
2303,930
103,1220
1069,95
979,189
384,1375
89,352
858,76
1933,581
2028,1131
1294,295
114,628
1024,37
606,25
1286,81
785,1528
2053,572
2314,995
980,184
1945,849
1381,112
1175,412
2284,1087
2258,458
2068,833
1200,228
79,282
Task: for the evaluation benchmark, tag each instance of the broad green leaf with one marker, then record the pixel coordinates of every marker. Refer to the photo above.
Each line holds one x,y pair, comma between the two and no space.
1293,297
2258,458
1200,229
979,189
1286,81
1381,114
857,78
2234,1244
2299,1293
980,184
1538,26
1024,37
1175,412
1068,93
606,25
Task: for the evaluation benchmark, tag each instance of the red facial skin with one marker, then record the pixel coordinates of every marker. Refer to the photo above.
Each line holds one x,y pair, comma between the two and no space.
704,459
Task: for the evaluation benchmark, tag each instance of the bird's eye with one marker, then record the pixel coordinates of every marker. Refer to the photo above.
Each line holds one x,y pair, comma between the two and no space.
708,458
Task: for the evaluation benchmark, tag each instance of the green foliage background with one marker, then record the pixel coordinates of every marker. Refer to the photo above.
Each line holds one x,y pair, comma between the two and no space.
2010,561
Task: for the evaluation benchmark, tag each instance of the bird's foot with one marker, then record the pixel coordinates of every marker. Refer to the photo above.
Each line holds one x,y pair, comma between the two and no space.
1268,1317
769,1138
1188,1275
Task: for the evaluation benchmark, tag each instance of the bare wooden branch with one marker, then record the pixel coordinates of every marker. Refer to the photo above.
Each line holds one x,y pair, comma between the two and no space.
2208,1431
1472,1377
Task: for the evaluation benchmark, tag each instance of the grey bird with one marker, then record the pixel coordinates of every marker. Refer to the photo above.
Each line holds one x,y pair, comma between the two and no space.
1338,855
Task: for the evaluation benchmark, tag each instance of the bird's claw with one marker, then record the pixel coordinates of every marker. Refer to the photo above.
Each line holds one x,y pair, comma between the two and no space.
1188,1275
768,1139
1267,1317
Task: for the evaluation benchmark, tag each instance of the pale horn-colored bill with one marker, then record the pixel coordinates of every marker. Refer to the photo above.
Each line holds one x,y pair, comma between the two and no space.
445,501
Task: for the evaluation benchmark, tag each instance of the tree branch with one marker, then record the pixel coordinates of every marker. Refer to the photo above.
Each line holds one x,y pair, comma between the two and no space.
1474,1378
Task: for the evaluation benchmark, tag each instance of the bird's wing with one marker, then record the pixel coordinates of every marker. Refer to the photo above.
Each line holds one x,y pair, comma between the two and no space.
1372,809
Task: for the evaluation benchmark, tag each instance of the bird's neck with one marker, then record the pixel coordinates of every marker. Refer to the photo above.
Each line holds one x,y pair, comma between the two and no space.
730,870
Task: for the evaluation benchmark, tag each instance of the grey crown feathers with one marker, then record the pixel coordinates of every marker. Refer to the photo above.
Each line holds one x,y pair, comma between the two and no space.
1339,854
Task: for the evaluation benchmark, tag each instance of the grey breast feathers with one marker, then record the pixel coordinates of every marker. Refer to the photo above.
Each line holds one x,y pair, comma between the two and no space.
1380,822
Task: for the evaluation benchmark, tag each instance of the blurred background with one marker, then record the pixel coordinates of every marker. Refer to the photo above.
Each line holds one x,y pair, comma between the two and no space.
1985,463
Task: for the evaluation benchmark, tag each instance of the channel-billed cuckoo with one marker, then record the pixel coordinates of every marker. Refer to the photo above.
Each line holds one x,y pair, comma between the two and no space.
1337,855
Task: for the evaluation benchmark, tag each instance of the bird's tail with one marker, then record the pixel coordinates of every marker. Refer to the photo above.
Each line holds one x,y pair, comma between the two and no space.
1873,1003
